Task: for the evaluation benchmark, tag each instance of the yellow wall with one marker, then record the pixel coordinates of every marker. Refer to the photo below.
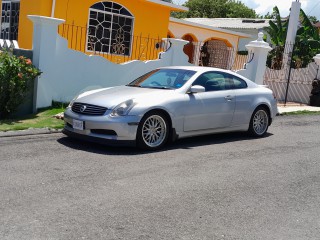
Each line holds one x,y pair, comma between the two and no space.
30,7
150,19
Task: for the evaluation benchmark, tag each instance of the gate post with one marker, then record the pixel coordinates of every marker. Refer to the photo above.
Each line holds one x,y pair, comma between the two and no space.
317,60
256,67
45,34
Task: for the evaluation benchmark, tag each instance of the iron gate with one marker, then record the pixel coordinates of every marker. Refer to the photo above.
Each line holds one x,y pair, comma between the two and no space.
289,84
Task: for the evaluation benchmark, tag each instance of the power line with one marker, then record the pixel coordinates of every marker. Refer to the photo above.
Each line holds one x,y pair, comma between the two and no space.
313,7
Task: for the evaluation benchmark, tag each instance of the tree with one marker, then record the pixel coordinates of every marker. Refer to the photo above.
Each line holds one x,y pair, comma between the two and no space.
238,10
307,42
216,9
313,19
268,16
277,29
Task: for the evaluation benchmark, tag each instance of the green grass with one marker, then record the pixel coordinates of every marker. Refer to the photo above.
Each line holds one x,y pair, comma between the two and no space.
44,118
303,112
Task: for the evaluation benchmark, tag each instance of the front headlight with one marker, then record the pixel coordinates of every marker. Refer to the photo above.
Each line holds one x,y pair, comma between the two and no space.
123,108
72,101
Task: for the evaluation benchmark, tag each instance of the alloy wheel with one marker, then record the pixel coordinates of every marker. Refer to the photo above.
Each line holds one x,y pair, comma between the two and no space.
260,122
154,131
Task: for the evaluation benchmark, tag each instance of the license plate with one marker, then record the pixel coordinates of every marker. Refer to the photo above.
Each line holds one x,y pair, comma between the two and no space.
76,124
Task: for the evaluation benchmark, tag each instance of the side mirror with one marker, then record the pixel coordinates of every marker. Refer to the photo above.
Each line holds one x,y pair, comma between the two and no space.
197,89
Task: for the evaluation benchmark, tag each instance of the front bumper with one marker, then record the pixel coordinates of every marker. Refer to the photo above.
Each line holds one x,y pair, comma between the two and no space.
116,143
104,129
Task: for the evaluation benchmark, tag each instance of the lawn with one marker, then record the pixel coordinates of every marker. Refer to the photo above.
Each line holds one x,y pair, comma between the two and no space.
43,119
303,112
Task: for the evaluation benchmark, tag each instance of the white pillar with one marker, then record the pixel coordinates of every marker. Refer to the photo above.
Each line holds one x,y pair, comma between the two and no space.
293,22
45,34
176,51
257,66
292,31
317,60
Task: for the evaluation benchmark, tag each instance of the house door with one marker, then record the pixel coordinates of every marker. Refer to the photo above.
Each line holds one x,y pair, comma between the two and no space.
10,19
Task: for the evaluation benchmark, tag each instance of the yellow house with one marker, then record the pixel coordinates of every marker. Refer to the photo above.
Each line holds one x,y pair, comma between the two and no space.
118,30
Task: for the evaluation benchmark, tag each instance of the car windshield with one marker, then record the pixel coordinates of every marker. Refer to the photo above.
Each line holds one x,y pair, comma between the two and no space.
163,79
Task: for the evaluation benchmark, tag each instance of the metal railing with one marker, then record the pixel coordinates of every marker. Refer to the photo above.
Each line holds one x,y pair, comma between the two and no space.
289,74
117,47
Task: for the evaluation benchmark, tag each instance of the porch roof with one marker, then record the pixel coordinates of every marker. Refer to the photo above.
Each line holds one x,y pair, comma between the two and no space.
211,28
240,23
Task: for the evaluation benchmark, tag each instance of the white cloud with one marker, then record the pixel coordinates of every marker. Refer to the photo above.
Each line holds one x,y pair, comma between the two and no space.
311,7
262,7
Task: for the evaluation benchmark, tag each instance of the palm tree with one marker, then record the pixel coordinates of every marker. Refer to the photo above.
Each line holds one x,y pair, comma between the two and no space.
307,42
277,31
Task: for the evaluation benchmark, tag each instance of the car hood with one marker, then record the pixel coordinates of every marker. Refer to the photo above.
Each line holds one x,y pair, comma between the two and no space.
111,97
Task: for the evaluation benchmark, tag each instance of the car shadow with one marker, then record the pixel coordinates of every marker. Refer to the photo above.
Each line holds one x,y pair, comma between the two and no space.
187,143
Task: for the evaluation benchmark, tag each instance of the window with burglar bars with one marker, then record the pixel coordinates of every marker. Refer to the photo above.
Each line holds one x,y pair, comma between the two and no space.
10,19
109,29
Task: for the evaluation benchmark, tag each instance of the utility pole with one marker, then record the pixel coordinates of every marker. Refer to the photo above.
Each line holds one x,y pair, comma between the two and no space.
290,41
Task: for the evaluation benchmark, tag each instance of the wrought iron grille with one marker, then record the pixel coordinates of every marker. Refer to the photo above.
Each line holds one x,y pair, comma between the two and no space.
215,53
10,19
110,29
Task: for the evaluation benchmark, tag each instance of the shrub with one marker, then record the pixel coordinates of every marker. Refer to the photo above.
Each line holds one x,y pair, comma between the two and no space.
16,77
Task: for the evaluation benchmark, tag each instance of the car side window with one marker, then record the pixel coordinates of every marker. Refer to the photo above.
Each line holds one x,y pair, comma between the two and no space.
213,81
239,83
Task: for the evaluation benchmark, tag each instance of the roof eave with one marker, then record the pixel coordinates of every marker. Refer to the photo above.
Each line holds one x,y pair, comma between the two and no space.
173,7
241,35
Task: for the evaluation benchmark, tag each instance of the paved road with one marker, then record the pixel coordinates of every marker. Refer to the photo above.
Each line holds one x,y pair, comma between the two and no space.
217,187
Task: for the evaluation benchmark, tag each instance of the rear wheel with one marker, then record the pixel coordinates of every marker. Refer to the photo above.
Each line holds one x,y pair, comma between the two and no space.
259,122
153,131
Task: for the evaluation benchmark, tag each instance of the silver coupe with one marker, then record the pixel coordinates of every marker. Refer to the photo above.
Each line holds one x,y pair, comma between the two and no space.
171,103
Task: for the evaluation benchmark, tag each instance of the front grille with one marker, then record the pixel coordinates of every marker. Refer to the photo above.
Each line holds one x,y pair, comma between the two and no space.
104,132
88,109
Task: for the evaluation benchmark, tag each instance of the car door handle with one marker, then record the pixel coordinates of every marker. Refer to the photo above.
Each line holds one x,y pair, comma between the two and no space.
228,98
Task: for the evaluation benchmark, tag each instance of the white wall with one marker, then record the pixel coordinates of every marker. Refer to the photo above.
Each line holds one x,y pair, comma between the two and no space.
67,73
256,66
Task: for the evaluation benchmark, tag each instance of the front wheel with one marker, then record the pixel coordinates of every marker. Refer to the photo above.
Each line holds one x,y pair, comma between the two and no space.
259,122
153,131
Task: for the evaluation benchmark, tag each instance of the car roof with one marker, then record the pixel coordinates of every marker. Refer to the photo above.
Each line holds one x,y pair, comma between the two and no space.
196,68
201,69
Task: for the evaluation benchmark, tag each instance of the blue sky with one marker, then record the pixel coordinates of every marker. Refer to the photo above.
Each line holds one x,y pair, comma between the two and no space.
311,7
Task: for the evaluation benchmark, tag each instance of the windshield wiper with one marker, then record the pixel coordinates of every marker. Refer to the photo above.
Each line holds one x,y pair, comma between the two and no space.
157,87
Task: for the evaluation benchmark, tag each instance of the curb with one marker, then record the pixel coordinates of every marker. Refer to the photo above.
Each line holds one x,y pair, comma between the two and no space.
28,132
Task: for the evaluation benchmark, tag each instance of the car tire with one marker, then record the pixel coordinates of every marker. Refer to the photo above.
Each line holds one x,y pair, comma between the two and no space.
153,131
259,122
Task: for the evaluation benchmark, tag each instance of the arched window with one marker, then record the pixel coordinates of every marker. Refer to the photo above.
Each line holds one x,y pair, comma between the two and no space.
110,29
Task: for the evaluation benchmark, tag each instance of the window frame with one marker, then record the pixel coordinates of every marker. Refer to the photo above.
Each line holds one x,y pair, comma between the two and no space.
112,14
232,77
